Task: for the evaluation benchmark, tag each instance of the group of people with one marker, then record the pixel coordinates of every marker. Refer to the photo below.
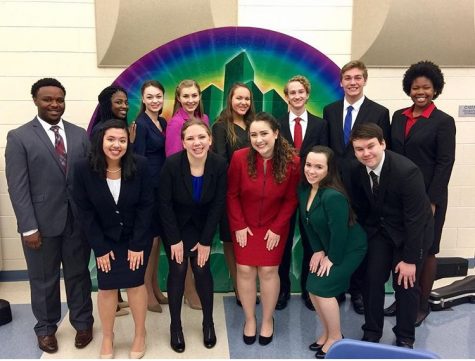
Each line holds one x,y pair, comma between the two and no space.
363,211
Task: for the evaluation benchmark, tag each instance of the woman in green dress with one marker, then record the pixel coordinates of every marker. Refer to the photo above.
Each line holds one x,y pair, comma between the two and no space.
338,242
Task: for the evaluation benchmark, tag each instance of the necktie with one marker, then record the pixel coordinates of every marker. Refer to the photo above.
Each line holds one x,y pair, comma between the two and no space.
297,133
347,125
59,147
374,178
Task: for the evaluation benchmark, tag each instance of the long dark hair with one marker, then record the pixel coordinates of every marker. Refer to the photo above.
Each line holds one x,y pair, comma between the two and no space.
97,158
332,180
227,115
283,151
146,84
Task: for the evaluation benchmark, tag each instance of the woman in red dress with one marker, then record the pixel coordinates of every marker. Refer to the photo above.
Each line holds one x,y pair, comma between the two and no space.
261,198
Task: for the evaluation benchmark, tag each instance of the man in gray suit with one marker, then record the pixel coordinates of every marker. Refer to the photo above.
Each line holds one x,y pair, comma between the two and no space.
39,160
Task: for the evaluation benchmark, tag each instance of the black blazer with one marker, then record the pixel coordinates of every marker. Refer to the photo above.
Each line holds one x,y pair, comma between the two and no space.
402,210
369,112
178,210
316,133
105,222
431,146
150,142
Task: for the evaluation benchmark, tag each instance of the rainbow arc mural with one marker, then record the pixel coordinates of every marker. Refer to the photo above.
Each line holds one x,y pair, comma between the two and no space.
216,58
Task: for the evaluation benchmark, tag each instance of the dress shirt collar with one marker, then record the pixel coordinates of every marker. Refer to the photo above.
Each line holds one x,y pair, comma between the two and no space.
378,169
356,105
47,126
303,117
425,114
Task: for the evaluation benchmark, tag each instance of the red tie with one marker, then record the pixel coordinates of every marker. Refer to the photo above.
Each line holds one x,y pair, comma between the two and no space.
297,134
59,147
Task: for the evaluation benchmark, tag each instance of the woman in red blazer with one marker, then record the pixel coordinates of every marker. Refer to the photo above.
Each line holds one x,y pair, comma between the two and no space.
261,198
426,135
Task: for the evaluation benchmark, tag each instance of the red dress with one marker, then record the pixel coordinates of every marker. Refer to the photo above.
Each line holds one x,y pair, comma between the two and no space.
260,204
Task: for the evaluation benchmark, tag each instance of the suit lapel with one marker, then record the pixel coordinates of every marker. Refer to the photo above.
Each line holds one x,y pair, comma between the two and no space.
70,144
286,130
366,183
207,176
186,173
311,128
384,179
40,132
339,125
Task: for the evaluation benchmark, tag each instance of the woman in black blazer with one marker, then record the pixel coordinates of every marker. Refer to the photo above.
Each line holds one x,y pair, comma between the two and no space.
192,196
114,196
150,142
426,135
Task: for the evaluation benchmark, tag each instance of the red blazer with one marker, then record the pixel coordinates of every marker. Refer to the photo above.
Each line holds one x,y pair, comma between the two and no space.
260,202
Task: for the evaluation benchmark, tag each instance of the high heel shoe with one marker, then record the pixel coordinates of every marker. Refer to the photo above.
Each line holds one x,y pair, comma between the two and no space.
265,340
108,356
315,346
249,340
209,336
194,306
155,308
177,341
137,354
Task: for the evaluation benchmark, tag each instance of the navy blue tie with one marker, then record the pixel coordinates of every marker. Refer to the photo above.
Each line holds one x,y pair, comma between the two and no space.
347,125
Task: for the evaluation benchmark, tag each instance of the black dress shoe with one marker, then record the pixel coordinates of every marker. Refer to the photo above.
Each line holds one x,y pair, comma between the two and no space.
209,336
391,310
370,339
404,343
358,304
177,341
421,316
315,346
265,340
282,301
320,354
48,343
83,338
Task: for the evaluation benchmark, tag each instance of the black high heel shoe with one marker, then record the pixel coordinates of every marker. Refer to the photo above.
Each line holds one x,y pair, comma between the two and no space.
249,340
209,336
177,341
265,340
315,347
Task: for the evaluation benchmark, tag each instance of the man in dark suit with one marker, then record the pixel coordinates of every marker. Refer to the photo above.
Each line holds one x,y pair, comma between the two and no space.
342,116
391,204
303,130
39,157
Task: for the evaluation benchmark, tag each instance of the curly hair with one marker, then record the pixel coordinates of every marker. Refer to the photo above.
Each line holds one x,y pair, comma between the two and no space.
283,152
97,158
426,69
46,82
227,115
331,180
300,79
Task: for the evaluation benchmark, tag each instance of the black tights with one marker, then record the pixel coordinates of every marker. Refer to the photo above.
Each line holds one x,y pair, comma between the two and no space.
176,286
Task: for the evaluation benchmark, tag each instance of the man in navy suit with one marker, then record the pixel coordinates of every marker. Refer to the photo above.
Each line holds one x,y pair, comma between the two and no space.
391,204
39,159
303,130
355,108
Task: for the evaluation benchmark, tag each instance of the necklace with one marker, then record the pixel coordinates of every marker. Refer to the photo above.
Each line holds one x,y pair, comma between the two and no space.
114,171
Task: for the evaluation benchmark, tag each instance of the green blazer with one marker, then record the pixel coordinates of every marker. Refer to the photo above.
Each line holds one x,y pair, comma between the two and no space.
326,224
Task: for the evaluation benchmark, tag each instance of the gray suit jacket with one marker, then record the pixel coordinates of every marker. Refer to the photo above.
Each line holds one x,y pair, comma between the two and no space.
39,190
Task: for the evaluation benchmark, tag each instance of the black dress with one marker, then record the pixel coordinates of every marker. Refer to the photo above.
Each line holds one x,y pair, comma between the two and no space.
222,146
